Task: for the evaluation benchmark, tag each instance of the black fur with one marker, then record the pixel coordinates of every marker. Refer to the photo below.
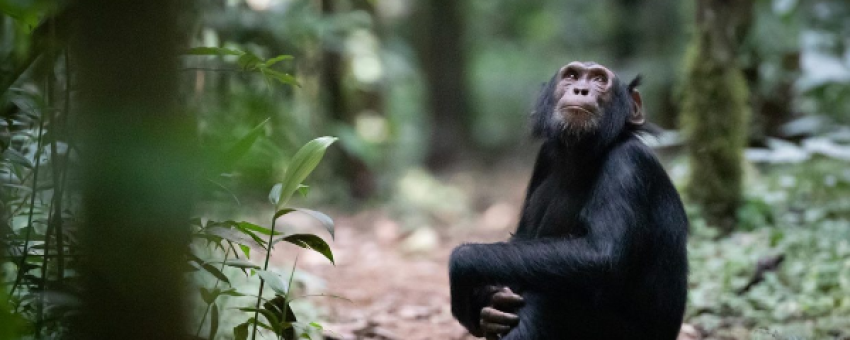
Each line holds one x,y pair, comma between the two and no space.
600,250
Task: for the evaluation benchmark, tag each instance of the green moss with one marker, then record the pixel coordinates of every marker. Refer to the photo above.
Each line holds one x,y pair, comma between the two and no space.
715,112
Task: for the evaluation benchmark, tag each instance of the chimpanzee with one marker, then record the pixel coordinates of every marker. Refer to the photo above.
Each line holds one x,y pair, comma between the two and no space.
600,250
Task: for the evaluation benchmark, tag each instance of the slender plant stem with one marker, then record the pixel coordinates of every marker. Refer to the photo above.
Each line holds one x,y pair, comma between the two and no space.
263,282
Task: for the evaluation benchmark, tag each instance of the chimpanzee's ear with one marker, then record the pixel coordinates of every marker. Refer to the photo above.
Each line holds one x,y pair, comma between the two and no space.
636,115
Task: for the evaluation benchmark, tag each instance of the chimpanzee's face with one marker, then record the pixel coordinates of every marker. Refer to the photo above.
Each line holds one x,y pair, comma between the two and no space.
581,92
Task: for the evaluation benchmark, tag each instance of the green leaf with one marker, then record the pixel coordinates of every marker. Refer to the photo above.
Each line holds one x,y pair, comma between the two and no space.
220,51
326,220
277,59
284,78
316,326
274,281
16,157
301,165
272,319
261,324
242,146
237,236
249,61
231,292
209,296
247,226
245,250
241,264
241,332
274,194
215,272
310,241
213,322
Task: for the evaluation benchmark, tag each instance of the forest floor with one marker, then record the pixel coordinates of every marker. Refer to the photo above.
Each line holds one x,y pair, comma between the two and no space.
395,279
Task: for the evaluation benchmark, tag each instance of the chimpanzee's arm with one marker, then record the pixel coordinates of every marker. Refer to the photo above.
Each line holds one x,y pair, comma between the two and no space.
613,216
468,311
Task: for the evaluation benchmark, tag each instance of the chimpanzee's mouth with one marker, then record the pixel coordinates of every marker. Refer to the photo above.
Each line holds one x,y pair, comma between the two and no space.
575,108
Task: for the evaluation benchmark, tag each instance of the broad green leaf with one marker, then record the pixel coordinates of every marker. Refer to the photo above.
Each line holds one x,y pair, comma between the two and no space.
209,296
253,227
215,272
249,61
274,281
241,148
327,222
220,51
284,78
241,264
237,236
274,194
272,319
261,324
277,59
241,332
310,241
17,158
301,165
245,250
231,292
213,322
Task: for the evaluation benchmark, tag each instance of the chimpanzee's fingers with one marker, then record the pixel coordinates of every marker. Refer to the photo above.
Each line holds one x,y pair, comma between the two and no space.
490,315
506,300
494,329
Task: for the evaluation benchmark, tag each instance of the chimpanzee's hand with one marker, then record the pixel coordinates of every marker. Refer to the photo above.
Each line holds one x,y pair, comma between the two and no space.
500,317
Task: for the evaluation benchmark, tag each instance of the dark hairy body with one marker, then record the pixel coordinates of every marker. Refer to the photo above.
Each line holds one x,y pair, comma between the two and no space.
600,250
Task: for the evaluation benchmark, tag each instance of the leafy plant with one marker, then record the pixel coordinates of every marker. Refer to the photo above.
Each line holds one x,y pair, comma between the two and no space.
250,62
236,238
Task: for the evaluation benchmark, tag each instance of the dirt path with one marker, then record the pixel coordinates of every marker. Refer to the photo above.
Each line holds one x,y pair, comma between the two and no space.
397,281
395,293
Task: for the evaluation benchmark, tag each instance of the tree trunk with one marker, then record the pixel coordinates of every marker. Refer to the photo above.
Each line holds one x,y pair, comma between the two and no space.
716,109
137,165
444,64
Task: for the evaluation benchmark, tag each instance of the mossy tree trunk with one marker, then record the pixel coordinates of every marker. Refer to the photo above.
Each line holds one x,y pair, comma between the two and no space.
137,170
715,109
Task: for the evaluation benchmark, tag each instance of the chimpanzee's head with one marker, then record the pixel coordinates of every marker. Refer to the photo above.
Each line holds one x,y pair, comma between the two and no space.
585,100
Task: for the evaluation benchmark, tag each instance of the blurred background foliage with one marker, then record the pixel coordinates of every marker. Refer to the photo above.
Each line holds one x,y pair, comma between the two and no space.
424,95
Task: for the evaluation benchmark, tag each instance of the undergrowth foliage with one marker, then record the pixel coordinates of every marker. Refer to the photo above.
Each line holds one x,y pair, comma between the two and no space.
236,239
40,215
801,214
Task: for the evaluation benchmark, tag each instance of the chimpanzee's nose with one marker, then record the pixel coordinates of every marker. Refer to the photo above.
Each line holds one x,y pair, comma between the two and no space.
581,91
